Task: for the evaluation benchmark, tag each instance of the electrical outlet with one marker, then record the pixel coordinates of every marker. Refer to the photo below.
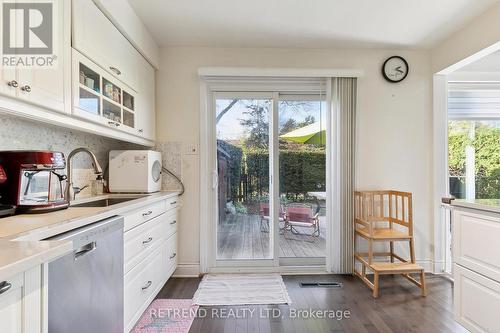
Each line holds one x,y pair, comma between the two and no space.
191,149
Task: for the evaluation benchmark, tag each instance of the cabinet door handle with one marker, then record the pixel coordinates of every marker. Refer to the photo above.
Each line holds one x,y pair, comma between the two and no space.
149,212
141,130
13,84
147,241
173,202
147,285
4,287
173,222
26,88
116,70
173,255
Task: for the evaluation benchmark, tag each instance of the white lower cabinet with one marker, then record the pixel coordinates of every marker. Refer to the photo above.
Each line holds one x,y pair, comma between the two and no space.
150,256
476,300
476,271
21,303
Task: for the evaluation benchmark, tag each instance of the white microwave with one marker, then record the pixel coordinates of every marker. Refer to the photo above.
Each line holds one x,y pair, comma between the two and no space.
134,171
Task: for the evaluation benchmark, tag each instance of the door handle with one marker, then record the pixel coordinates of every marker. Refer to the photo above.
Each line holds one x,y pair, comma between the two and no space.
147,241
4,287
147,285
149,212
85,250
215,179
26,88
173,222
173,255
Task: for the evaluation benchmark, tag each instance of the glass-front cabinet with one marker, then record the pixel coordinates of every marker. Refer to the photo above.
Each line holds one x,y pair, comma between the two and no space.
99,97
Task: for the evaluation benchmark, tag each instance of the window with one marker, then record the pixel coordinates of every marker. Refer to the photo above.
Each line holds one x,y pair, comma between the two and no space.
474,140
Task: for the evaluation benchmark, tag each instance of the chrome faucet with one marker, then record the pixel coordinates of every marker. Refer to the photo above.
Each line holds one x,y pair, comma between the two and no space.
95,164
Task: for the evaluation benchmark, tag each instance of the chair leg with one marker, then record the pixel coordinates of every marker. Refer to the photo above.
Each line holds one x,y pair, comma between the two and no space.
262,228
375,284
370,251
391,246
412,251
423,287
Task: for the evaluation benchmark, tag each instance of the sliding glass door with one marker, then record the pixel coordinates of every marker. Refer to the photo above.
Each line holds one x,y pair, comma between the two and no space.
302,179
271,179
243,196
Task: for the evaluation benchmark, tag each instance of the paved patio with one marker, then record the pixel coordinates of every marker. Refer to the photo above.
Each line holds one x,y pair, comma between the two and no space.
240,237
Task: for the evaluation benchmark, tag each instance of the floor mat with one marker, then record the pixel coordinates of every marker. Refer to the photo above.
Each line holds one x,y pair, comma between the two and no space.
241,289
167,316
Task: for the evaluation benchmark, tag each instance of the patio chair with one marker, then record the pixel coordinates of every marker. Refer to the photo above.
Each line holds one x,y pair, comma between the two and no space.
301,216
264,216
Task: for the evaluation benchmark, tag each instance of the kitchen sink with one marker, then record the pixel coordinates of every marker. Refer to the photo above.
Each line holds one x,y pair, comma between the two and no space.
104,202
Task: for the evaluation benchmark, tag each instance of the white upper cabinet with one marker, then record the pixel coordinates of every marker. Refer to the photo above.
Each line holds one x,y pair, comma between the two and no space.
146,115
43,87
98,39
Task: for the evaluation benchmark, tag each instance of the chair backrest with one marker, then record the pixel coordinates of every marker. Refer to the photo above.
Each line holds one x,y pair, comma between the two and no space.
264,209
299,213
383,206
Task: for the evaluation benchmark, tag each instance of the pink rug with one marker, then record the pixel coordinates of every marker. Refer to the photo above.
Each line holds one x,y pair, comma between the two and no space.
167,316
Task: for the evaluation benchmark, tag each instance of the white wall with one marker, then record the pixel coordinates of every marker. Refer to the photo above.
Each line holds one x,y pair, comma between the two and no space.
394,129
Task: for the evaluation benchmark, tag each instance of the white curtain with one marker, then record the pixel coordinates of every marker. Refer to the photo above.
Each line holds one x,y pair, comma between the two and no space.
343,96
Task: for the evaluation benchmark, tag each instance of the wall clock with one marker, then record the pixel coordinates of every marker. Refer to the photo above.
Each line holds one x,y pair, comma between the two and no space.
395,69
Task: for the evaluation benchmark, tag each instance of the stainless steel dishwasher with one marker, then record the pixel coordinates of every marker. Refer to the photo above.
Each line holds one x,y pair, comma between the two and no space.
85,288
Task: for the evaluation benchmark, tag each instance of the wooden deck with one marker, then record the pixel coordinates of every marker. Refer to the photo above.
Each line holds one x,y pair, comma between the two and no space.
240,237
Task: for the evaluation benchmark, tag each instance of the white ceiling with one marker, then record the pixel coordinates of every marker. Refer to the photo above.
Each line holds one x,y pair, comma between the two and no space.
490,63
306,23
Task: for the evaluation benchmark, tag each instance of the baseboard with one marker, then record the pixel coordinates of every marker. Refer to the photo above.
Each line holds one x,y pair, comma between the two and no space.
193,269
283,270
187,270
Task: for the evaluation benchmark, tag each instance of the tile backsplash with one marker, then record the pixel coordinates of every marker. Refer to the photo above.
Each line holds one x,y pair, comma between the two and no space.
171,153
20,134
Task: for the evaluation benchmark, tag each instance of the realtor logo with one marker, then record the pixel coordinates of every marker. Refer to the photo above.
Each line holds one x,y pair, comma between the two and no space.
28,34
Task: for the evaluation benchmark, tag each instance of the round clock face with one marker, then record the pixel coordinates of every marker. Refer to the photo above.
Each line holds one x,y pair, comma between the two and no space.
395,69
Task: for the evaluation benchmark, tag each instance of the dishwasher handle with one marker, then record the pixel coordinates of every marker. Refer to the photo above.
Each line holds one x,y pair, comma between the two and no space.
85,250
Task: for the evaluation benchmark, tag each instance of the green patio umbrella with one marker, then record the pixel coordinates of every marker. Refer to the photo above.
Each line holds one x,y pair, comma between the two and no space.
314,134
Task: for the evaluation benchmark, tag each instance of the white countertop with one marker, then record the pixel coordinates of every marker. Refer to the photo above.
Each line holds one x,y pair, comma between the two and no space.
21,244
489,205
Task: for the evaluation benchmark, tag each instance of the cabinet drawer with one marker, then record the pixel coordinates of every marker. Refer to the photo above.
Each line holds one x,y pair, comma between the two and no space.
140,241
476,245
140,284
171,256
172,222
172,202
476,300
137,217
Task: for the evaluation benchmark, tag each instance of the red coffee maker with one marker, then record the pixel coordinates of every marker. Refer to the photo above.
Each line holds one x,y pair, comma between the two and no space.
5,210
35,180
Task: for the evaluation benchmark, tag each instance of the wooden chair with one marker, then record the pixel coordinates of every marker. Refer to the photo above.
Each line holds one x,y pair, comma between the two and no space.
301,215
385,216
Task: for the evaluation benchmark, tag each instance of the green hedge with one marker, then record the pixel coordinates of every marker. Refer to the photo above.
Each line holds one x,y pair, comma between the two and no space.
235,160
301,171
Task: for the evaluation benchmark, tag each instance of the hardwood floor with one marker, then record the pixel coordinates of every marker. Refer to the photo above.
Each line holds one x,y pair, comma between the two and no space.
400,308
240,237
